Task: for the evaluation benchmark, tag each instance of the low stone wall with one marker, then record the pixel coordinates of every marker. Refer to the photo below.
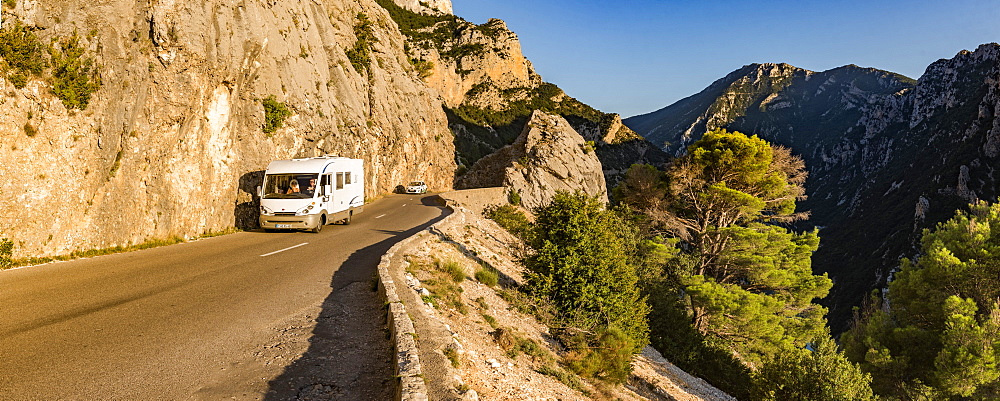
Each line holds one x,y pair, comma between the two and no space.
411,385
475,200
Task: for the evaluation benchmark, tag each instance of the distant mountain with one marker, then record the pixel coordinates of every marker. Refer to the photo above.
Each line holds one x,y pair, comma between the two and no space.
887,156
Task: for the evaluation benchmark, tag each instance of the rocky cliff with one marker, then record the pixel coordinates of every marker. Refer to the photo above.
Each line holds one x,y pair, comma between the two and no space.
547,157
171,143
887,156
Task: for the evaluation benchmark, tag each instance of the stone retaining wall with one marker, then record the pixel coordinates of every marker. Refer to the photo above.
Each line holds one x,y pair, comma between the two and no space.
411,385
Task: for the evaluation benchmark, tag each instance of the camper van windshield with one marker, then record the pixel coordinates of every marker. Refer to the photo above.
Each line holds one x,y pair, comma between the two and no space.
289,186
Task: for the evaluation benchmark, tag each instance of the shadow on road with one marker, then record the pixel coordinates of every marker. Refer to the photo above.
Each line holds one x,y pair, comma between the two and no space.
350,354
248,204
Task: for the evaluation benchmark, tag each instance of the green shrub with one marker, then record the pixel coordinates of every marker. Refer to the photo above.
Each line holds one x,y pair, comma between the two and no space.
821,374
487,276
609,358
490,320
581,263
423,67
6,251
489,29
360,54
531,348
18,79
460,51
275,113
512,219
444,287
453,269
538,98
74,76
22,52
30,130
452,356
566,378
514,197
10,3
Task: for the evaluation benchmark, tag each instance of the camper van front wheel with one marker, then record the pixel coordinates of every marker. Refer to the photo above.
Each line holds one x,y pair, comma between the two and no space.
319,227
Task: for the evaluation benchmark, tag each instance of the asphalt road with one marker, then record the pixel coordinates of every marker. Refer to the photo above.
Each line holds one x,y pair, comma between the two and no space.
211,319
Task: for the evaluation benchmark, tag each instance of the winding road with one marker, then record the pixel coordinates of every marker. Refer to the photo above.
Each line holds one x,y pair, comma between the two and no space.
251,315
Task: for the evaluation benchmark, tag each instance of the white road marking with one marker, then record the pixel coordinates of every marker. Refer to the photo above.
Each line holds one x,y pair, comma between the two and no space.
282,250
379,216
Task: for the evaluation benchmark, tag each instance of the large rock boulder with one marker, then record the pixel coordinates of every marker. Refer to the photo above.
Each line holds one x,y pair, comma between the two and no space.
547,157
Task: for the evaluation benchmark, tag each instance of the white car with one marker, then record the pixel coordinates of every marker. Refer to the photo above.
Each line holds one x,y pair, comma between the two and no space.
416,187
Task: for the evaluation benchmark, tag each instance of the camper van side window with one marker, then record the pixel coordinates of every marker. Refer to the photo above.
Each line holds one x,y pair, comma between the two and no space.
324,184
340,180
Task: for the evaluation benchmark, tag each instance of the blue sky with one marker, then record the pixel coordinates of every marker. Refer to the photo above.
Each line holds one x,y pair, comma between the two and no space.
634,57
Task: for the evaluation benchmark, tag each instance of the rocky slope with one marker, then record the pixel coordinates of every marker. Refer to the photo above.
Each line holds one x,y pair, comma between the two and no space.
472,339
887,156
171,143
547,157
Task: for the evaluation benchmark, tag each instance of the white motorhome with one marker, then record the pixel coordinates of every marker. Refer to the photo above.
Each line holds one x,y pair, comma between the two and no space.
306,194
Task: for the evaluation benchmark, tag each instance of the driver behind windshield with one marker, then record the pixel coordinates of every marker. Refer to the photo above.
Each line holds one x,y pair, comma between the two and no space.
312,187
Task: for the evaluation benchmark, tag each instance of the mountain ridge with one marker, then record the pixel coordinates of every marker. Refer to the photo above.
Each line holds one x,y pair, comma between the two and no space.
865,135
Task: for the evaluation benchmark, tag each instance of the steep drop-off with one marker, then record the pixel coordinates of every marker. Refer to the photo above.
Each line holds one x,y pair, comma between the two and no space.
887,156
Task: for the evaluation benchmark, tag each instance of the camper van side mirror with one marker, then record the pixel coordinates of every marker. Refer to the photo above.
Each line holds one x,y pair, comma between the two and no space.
260,193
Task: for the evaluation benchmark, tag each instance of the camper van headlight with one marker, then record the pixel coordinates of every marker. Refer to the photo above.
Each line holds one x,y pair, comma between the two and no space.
305,210
264,210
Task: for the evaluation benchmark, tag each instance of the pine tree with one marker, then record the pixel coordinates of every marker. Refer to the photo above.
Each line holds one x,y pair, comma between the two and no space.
939,336
740,281
752,287
967,358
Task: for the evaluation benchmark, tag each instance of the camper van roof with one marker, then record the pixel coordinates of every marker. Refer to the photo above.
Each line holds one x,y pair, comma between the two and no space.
306,165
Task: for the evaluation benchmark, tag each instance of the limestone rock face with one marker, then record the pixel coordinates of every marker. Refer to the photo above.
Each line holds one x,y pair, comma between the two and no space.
171,144
547,157
488,56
